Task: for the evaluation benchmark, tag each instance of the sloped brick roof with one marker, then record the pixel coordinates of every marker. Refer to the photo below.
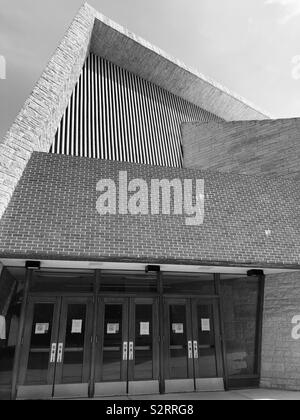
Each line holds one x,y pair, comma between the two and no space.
52,215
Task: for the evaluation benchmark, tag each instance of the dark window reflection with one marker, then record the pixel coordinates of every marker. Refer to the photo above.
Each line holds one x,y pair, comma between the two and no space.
200,284
178,365
128,282
11,293
112,349
143,368
240,311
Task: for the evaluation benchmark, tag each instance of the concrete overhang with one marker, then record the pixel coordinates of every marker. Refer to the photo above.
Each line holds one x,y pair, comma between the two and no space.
36,124
135,266
125,49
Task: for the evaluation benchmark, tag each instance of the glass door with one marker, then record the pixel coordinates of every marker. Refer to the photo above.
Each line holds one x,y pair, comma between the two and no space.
193,359
143,354
127,347
179,375
74,349
55,359
206,346
39,349
112,347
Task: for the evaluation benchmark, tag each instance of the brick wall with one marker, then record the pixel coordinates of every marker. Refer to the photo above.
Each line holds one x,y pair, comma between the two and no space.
35,126
281,353
53,215
259,148
247,147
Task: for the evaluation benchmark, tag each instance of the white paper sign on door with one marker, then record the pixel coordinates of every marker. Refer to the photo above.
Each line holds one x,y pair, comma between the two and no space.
76,326
113,328
177,328
205,324
144,328
41,329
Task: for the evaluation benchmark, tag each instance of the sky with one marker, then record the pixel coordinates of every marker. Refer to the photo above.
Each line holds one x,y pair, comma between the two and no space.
250,46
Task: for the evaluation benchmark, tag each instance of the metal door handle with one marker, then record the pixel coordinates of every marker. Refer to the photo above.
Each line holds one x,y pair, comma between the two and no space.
131,350
125,350
53,353
60,353
190,349
196,349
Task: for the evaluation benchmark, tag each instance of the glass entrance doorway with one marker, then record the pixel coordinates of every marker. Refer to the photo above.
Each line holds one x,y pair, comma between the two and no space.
192,345
127,347
55,361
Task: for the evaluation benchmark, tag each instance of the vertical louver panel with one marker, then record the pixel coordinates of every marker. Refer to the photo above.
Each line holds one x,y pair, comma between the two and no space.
114,114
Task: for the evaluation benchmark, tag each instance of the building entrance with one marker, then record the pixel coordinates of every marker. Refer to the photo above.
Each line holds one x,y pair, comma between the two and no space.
127,347
85,334
58,345
55,361
193,359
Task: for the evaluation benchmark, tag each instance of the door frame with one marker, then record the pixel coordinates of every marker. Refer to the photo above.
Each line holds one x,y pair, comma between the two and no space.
60,302
151,386
74,390
208,384
193,383
173,384
110,388
127,385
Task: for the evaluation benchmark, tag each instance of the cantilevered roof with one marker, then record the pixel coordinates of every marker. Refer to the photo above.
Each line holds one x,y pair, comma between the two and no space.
127,50
36,124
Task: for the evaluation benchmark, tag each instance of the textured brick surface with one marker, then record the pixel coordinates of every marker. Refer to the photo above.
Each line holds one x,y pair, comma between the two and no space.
37,122
247,147
53,215
281,353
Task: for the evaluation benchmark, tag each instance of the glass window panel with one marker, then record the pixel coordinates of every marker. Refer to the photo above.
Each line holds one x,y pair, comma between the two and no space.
74,344
240,311
178,283
40,343
178,363
143,368
128,282
206,340
113,336
11,295
72,281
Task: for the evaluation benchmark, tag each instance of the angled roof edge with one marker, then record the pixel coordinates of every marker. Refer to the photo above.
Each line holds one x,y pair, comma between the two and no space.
122,47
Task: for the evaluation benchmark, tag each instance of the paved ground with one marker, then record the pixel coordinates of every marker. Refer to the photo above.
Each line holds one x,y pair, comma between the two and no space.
247,394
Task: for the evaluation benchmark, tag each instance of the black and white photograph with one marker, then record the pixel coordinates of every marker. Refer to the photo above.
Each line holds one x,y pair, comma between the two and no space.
149,203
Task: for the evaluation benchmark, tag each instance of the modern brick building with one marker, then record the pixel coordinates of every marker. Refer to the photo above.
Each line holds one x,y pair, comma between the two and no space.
139,301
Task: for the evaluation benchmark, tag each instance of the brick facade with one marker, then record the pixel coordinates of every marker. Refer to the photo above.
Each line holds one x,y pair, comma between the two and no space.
52,212
247,147
281,353
53,215
259,148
